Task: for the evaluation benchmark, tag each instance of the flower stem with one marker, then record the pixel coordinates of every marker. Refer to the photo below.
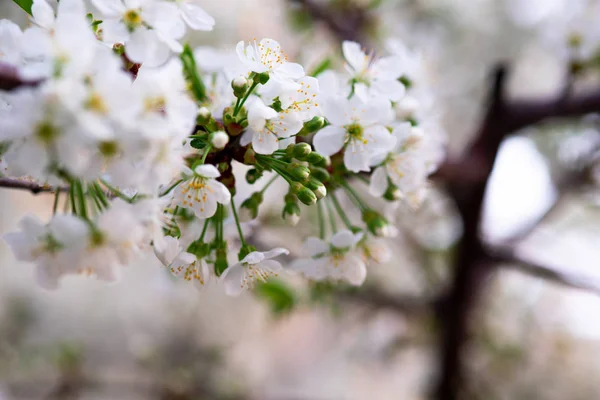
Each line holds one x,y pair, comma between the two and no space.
208,149
321,217
340,211
239,107
170,188
273,179
204,229
81,198
331,218
55,205
116,191
354,196
237,222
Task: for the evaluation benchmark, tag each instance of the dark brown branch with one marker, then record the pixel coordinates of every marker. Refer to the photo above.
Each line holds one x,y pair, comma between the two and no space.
375,298
10,78
345,24
472,265
508,258
29,186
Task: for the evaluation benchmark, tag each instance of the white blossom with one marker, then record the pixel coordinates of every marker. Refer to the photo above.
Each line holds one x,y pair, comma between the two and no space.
201,192
256,266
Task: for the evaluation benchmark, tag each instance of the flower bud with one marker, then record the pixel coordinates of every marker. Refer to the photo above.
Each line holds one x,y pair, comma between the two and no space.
249,208
221,261
239,85
291,213
253,175
392,193
301,151
320,174
313,125
262,78
316,159
306,196
318,188
377,224
219,139
298,172
204,116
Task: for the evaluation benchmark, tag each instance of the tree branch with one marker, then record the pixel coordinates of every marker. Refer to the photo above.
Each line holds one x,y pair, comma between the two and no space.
508,258
10,78
29,186
346,24
472,265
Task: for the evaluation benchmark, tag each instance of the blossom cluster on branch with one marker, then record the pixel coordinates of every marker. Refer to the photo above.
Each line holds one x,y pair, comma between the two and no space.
143,131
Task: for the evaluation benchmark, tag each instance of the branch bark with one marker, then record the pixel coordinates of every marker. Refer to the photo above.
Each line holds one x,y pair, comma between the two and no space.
29,186
473,264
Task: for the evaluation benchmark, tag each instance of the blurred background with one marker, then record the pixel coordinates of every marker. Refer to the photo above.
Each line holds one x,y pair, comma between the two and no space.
152,337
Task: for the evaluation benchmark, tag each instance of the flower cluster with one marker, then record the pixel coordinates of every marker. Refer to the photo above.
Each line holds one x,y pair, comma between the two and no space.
138,134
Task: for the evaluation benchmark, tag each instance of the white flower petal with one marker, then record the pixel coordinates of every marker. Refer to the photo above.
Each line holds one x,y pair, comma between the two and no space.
233,280
329,140
253,258
219,191
314,246
354,55
207,171
275,252
379,182
42,13
354,270
196,17
343,239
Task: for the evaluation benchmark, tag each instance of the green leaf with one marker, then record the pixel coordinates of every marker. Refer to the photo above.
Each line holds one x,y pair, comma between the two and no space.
280,296
191,73
323,65
25,5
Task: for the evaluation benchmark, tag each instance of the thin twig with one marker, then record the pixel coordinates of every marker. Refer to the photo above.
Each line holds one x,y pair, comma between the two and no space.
30,186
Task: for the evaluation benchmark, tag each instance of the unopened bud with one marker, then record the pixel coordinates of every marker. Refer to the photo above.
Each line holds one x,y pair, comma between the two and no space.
301,151
298,172
239,85
221,261
203,116
253,175
392,193
262,78
306,196
219,139
316,159
291,213
377,224
313,125
318,188
320,174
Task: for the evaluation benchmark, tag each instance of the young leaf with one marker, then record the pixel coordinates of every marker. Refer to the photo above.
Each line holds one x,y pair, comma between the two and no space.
25,5
191,74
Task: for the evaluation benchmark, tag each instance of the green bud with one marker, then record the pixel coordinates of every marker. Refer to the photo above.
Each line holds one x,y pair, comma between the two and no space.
320,174
253,175
290,198
392,193
289,150
301,151
262,78
306,196
295,187
313,125
291,213
245,250
318,188
228,118
298,172
221,260
240,86
316,159
376,223
204,116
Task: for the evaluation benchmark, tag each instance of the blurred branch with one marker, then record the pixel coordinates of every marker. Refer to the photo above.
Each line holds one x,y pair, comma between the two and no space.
466,179
508,258
344,23
372,297
30,186
10,78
